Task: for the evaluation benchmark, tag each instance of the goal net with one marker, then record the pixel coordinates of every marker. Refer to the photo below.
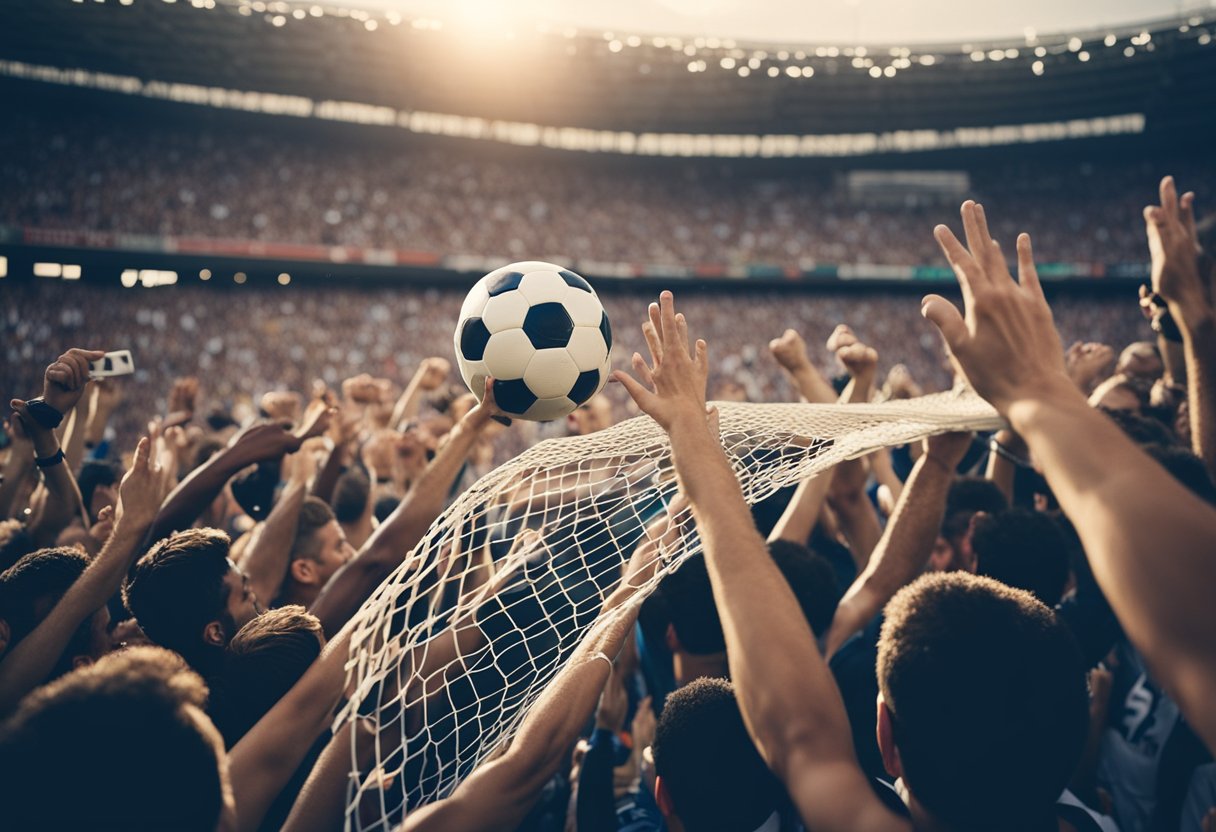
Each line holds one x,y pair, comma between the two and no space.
452,650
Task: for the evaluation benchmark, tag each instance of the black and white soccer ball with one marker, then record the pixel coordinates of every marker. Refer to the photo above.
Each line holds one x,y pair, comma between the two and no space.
541,333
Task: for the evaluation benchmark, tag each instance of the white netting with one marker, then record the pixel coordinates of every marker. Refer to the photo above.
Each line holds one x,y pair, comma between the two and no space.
432,705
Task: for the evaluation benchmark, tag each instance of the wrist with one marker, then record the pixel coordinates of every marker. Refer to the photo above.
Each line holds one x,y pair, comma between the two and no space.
1195,320
1026,414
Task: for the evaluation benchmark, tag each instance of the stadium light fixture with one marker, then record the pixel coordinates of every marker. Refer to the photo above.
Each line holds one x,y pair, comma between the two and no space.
615,46
793,71
48,269
727,63
889,72
129,278
204,274
773,72
3,266
1110,40
744,71
71,271
1205,38
284,279
1082,56
239,278
1074,44
1040,51
875,72
1129,51
1037,67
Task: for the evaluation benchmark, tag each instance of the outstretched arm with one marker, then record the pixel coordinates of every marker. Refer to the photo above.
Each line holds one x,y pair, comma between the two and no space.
27,665
906,542
789,700
1178,279
393,540
1122,503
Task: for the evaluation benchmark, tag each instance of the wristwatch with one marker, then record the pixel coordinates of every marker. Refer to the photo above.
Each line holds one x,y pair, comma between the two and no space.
43,413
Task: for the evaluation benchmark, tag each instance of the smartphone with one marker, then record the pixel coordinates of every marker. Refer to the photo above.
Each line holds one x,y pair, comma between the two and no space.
117,363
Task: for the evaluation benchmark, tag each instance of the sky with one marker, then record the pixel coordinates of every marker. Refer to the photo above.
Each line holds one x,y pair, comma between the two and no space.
809,21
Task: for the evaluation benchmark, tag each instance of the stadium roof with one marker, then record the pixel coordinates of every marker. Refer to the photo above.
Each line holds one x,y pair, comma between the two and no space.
1159,72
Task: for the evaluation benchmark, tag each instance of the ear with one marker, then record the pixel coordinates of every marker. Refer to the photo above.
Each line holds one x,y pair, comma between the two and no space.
941,554
885,730
672,639
663,798
214,634
304,571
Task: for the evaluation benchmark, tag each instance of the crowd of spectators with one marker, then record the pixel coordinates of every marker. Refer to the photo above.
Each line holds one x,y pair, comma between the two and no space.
342,188
1008,631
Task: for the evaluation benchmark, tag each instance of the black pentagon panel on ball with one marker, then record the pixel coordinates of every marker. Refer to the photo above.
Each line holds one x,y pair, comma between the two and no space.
473,339
548,326
606,331
586,384
513,396
505,282
574,280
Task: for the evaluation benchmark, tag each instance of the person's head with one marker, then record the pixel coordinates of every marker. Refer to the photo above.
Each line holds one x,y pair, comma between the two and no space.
1022,549
264,659
121,744
1122,392
188,596
984,707
320,549
98,483
31,588
1143,430
710,777
967,497
350,496
593,415
15,542
1140,359
695,626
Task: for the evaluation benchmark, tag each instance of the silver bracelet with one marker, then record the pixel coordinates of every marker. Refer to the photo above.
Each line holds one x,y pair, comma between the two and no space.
1006,454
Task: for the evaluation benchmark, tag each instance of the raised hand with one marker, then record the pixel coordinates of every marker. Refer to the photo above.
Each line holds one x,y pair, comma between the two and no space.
269,440
183,398
1006,345
859,360
142,489
317,419
1174,246
281,404
790,351
65,380
1085,363
363,389
432,372
672,387
948,449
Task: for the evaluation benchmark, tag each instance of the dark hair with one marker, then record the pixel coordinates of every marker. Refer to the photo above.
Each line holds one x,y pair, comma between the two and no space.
1185,467
350,495
1143,430
690,599
968,495
15,542
988,700
92,474
31,588
315,515
1025,550
126,742
177,589
711,769
385,506
264,659
207,447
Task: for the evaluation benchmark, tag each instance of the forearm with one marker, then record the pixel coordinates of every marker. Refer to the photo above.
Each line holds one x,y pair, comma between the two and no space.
73,437
884,472
1199,341
812,385
64,501
785,691
1125,506
406,406
327,478
269,552
197,491
1001,470
901,553
27,665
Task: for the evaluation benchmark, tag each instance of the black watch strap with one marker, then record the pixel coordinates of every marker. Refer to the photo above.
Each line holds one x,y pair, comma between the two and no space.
49,461
43,413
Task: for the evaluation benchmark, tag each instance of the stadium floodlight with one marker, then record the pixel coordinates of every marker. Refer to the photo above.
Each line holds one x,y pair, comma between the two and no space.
1037,67
1083,56
3,266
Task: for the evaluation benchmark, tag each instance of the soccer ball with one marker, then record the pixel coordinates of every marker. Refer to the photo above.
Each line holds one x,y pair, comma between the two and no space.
541,333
